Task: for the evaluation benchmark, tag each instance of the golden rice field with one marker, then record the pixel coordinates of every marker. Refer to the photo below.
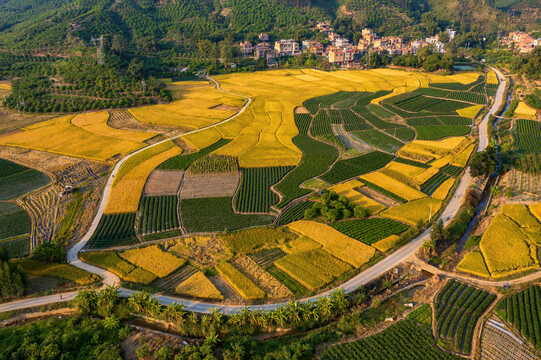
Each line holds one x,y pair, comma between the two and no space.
348,190
425,175
506,249
441,162
193,107
334,242
386,244
443,190
405,169
414,211
525,220
240,282
93,139
199,286
153,259
300,244
396,187
132,176
535,209
5,86
203,138
470,112
523,111
473,263
492,79
463,78
461,159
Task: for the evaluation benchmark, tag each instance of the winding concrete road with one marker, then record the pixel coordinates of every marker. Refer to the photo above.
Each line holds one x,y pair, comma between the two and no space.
403,254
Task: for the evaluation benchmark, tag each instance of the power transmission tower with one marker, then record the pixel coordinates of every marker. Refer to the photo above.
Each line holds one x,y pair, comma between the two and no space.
98,43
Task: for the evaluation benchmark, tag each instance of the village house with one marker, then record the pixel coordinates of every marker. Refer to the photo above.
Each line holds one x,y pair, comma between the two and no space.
287,47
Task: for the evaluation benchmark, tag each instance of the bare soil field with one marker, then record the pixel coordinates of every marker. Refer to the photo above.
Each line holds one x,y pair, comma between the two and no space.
273,288
195,186
46,209
12,121
230,295
163,182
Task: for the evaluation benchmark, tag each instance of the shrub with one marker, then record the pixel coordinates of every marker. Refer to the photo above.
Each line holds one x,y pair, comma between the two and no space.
49,252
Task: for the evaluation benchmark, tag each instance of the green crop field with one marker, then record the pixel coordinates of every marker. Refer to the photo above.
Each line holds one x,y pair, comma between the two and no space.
114,230
17,246
523,311
458,307
157,214
294,213
316,160
434,182
423,315
346,169
405,340
527,136
378,139
254,194
404,133
216,214
370,231
440,132
17,180
14,221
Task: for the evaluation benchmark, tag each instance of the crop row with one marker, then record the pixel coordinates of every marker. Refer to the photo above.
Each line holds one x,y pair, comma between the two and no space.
14,223
317,158
379,123
254,194
527,135
458,306
458,86
158,213
452,170
471,97
412,162
370,231
433,183
346,169
384,192
423,315
114,230
294,213
404,133
321,125
16,247
440,132
403,341
523,310
216,214
182,162
439,120
353,121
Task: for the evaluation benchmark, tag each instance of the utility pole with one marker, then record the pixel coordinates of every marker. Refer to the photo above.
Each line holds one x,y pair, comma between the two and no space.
98,43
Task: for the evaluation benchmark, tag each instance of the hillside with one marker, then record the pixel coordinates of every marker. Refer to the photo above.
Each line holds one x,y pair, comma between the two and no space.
147,24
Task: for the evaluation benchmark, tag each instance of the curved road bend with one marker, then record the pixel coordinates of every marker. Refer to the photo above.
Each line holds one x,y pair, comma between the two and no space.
388,263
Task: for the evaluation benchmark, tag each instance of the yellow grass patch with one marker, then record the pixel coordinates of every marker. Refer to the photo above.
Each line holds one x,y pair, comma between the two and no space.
356,197
461,159
194,107
425,175
334,242
203,138
199,286
492,79
96,122
473,263
240,282
505,248
396,187
524,111
443,190
60,136
414,211
386,244
128,186
153,259
405,169
470,112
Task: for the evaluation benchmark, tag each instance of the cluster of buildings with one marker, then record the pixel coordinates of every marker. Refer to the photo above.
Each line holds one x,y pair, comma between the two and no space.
340,51
521,41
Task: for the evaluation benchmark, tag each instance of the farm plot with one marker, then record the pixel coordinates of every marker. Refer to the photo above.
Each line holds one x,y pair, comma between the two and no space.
157,214
254,194
240,282
62,271
294,213
457,309
313,269
17,180
335,243
163,182
196,186
353,122
527,136
114,230
14,221
440,132
253,240
45,208
272,287
370,231
199,286
317,158
176,278
429,186
403,133
348,189
346,169
379,140
422,315
153,259
499,342
523,311
18,246
392,185
414,211
405,340
216,214
182,162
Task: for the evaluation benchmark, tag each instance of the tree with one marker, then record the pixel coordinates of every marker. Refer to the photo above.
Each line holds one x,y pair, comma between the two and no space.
135,69
49,252
360,212
111,322
332,215
483,163
12,280
310,213
119,43
429,246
